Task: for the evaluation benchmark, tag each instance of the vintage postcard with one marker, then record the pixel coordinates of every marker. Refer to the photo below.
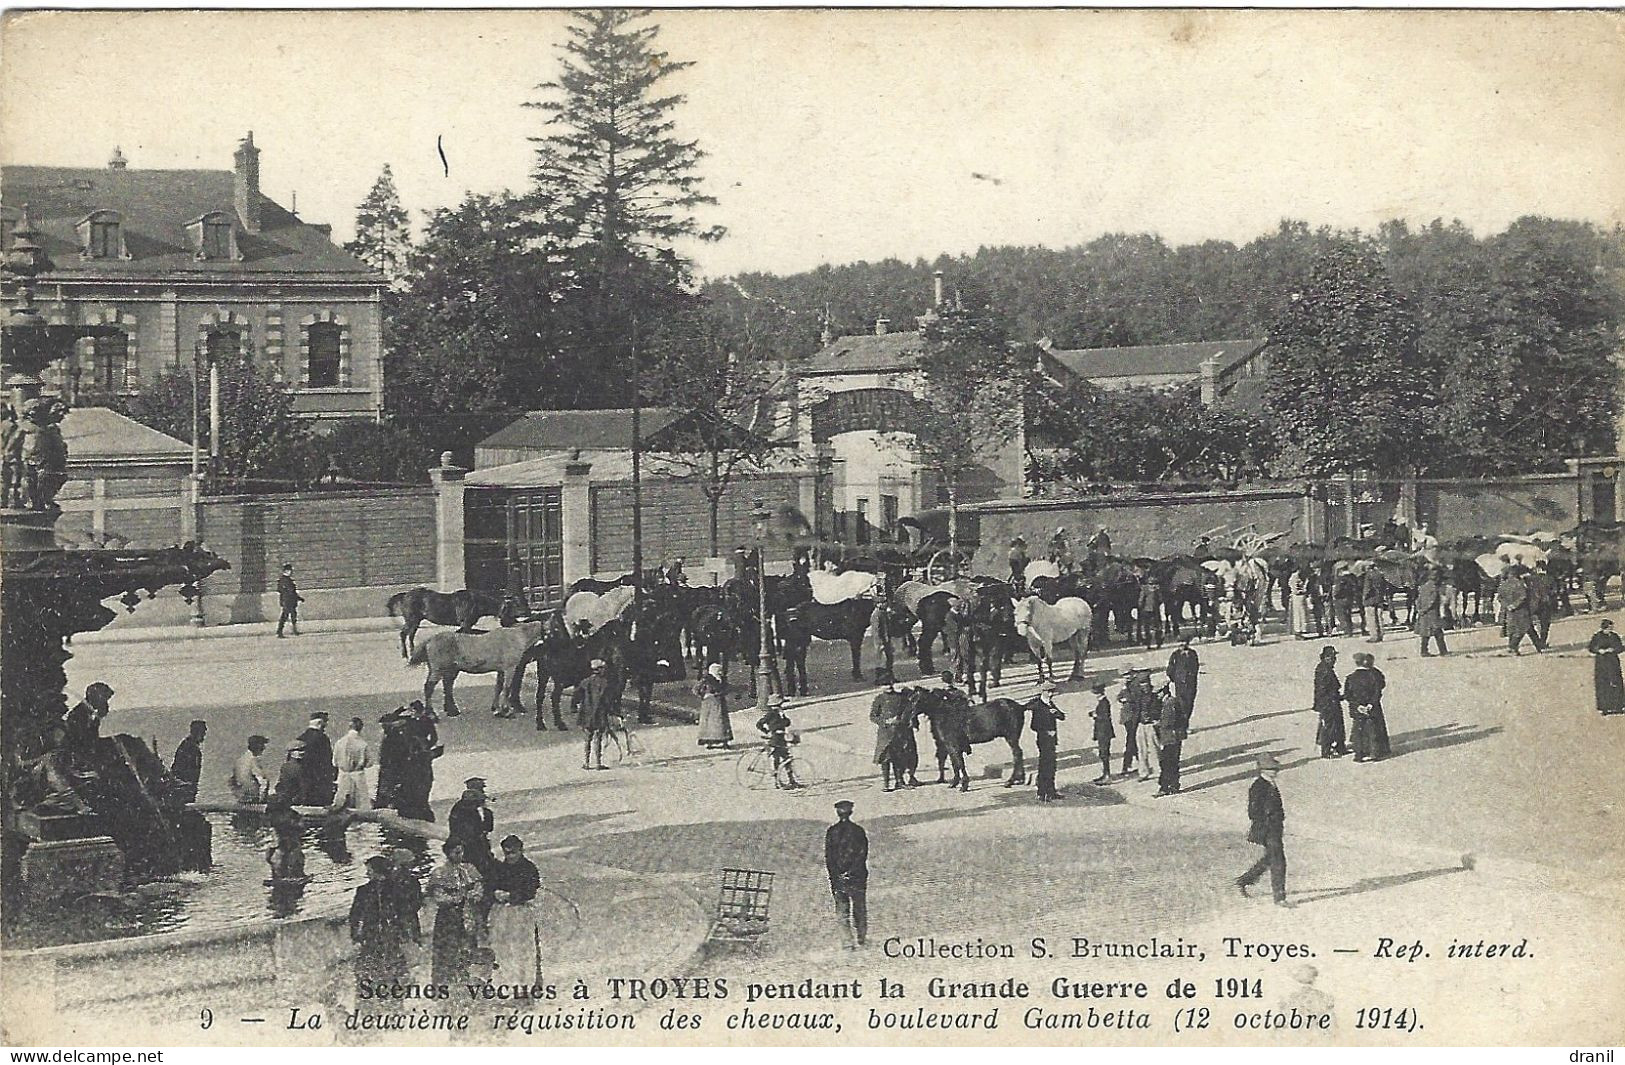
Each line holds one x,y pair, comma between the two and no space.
812,527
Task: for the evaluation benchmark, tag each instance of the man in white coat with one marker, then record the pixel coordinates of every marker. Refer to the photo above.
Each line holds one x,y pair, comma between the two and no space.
352,757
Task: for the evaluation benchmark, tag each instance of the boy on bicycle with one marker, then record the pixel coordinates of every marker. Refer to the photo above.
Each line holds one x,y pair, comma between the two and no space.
774,725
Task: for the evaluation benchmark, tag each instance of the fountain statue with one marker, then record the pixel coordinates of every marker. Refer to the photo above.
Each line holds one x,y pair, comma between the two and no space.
78,818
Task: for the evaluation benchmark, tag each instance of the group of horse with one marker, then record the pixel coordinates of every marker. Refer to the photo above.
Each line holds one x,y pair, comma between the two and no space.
956,725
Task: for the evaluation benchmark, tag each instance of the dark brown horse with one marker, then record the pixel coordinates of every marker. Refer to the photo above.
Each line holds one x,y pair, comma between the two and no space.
846,621
957,727
461,608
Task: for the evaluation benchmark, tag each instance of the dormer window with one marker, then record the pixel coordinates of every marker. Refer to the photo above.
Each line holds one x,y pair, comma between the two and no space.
214,237
101,236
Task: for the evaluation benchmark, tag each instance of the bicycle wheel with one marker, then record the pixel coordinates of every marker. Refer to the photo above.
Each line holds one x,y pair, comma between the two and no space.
635,754
615,747
802,770
755,769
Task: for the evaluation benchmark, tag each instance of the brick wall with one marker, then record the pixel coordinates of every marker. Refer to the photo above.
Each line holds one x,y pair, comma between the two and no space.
1155,526
677,519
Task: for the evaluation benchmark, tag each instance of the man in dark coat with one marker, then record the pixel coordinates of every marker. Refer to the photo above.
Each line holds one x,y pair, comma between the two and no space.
1542,604
846,857
1017,558
1171,741
1429,612
1513,593
82,725
594,702
417,775
1268,820
290,779
288,597
1045,715
1104,733
1128,715
1374,598
1148,611
1329,732
376,928
1183,667
321,775
470,823
187,765
889,712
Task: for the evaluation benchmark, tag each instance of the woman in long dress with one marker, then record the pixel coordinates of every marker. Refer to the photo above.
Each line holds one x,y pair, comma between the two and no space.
455,888
1363,692
1329,733
1605,647
1298,588
715,729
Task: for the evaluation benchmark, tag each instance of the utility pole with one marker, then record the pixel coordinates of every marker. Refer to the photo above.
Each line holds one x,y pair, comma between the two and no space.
637,482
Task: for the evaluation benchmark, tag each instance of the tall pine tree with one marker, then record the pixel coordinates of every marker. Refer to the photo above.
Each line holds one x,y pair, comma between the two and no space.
383,235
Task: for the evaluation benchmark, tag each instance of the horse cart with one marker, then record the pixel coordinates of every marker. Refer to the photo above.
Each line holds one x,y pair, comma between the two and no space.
742,907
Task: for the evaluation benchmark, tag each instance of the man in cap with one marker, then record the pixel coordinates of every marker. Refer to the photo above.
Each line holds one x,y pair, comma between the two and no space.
320,773
1267,818
1429,612
846,857
1542,604
376,929
1045,718
288,598
1374,599
82,725
889,714
352,757
1170,741
513,883
187,765
1183,667
1148,716
248,781
594,704
470,823
290,780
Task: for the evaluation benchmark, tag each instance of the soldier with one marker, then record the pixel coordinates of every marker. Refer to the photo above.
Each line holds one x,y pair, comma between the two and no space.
846,858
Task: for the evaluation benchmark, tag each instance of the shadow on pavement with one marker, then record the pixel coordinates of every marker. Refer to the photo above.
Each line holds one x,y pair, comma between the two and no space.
1373,883
1437,736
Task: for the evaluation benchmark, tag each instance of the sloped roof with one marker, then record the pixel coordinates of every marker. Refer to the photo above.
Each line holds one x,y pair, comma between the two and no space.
563,430
1153,359
97,434
865,353
155,207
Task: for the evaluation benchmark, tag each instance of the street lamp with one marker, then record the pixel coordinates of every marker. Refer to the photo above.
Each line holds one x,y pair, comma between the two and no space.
759,518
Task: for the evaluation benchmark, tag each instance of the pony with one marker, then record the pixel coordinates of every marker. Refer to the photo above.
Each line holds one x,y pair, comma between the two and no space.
1047,626
417,605
502,652
957,726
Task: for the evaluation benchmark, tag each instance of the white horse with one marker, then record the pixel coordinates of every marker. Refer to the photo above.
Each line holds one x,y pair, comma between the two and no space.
595,609
1039,567
1047,627
832,588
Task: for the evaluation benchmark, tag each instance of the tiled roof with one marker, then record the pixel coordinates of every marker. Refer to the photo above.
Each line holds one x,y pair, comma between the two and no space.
156,206
96,434
865,353
563,430
1153,359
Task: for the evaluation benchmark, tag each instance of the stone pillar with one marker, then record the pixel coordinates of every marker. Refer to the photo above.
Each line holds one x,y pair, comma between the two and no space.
169,329
1210,380
448,524
1407,500
575,520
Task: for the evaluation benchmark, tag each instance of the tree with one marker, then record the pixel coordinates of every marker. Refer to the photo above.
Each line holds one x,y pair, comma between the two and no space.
383,234
972,382
1348,385
726,415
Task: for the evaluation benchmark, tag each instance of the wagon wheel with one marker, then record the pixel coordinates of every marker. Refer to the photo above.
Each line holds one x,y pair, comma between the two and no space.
943,567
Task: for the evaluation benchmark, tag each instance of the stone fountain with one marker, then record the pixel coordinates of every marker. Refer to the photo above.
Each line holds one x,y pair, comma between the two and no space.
75,821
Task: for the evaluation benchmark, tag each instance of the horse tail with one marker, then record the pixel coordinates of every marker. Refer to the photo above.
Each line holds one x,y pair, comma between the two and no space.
420,654
394,602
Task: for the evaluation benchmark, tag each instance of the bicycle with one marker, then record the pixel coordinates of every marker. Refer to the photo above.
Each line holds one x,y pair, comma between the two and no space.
756,769
629,750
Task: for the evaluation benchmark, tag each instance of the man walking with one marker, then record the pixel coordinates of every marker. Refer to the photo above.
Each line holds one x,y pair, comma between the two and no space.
593,699
846,857
1268,818
1542,604
352,757
1513,595
1183,666
288,596
1429,613
1045,715
187,765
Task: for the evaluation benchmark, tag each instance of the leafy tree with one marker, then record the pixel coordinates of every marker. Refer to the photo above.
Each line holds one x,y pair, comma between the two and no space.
972,381
363,451
383,234
1348,385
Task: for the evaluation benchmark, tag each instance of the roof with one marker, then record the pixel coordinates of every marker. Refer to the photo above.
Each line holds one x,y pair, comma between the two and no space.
564,430
607,466
98,435
865,353
1153,360
156,206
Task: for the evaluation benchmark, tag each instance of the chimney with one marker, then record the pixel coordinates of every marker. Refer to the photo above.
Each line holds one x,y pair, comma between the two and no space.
1210,380
936,297
246,183
881,326
117,162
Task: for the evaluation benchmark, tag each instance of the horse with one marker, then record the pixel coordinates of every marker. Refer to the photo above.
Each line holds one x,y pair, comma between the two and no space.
417,605
897,753
564,659
1183,580
716,635
502,652
832,588
1597,553
1048,626
928,604
829,621
957,726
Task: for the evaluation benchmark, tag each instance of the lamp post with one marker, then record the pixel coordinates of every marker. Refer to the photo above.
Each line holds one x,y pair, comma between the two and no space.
759,518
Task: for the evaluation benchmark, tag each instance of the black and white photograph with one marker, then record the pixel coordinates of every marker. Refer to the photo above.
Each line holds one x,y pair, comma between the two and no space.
756,528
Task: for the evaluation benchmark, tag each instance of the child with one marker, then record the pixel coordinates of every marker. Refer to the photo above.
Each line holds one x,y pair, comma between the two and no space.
773,725
1104,733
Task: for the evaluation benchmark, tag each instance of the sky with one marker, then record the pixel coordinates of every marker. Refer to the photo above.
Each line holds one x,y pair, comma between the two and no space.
837,136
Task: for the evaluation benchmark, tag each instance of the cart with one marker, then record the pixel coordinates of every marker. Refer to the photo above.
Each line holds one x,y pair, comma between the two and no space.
742,906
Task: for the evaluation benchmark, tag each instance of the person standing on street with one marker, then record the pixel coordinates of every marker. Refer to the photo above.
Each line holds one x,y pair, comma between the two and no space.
1429,612
1345,597
1104,733
1605,647
1513,596
846,857
1542,605
352,757
1267,817
248,782
1171,741
1183,666
1045,715
187,765
288,597
1298,591
715,728
514,883
1128,715
593,701
375,928
1374,598
1329,732
1149,715
1363,692
1148,612
320,774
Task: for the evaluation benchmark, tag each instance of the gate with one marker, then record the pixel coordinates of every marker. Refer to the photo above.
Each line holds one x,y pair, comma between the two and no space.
513,544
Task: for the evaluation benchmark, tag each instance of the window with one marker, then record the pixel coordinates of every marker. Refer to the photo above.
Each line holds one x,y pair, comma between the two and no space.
324,355
888,516
222,344
863,521
216,239
104,242
109,362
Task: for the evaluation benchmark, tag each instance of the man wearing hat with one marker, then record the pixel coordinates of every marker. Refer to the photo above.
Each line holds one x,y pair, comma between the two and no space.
1170,741
288,598
1328,704
513,883
290,780
1183,667
594,704
889,713
248,782
1429,612
1017,557
352,757
470,823
1512,593
1268,820
1104,733
187,765
320,774
846,857
1045,718
376,929
82,725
